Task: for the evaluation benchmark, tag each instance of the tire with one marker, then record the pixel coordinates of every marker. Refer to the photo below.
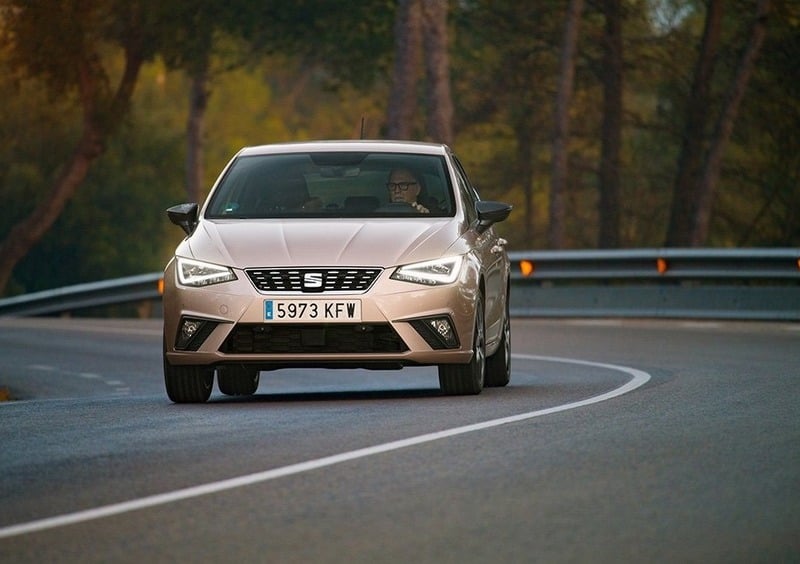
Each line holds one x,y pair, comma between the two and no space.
237,380
498,366
467,379
188,384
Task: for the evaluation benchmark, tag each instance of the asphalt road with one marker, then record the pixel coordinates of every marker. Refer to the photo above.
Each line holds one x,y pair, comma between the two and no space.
634,441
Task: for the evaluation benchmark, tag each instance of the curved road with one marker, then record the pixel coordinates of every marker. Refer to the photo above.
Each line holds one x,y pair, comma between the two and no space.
623,441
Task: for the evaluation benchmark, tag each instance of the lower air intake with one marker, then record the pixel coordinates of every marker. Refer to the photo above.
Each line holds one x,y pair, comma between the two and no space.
310,339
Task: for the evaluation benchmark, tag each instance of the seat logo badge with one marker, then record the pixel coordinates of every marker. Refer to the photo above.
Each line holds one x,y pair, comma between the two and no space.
312,280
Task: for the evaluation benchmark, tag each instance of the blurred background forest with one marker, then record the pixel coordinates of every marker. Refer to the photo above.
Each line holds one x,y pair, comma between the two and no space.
607,123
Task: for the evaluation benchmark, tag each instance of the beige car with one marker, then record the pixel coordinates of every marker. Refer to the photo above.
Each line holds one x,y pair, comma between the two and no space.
337,254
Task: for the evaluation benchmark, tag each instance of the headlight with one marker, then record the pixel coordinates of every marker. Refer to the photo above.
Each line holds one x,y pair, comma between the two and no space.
197,273
431,272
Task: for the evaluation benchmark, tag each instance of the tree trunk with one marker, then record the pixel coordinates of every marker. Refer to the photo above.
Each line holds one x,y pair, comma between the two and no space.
524,137
694,132
101,117
724,127
555,234
437,65
608,236
195,134
407,52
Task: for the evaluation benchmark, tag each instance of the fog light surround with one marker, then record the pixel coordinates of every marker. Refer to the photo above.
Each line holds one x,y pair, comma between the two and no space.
192,332
438,331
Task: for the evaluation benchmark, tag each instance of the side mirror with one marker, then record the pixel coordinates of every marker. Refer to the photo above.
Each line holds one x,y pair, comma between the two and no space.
184,216
490,212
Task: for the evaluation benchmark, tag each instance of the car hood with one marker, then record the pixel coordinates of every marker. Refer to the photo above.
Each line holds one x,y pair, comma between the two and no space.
259,243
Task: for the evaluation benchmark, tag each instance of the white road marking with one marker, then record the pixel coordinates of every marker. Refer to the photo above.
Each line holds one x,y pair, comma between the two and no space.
638,379
595,322
701,325
73,325
119,384
121,330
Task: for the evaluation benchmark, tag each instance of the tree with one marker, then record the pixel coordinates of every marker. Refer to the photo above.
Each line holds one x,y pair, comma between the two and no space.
722,131
62,43
405,74
760,205
195,133
189,45
700,159
437,65
504,96
189,37
558,180
694,130
612,79
421,25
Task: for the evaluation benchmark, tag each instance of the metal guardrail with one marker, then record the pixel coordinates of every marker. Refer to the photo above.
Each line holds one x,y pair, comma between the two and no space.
130,289
751,284
676,283
667,263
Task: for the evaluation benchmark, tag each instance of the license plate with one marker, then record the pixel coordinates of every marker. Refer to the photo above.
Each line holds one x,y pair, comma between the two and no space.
329,311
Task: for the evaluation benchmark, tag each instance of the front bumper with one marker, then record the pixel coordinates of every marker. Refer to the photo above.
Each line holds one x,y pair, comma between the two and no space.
389,334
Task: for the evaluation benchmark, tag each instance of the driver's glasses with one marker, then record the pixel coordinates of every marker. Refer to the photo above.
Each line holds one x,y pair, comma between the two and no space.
401,186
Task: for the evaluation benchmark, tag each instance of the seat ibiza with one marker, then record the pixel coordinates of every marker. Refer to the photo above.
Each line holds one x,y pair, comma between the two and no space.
337,254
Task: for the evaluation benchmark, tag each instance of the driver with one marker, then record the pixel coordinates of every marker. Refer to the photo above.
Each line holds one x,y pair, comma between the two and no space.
405,186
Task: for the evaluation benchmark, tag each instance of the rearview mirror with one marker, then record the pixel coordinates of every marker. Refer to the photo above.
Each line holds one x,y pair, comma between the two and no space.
490,212
184,216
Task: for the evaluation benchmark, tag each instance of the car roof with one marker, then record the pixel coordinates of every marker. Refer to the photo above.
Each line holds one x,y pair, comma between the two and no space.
386,146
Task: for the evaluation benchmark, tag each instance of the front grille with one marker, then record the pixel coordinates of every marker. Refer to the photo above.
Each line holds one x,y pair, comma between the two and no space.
270,280
264,338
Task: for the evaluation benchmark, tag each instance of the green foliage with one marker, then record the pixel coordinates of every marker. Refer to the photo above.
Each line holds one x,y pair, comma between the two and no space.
759,196
352,40
285,71
116,225
504,67
52,40
279,100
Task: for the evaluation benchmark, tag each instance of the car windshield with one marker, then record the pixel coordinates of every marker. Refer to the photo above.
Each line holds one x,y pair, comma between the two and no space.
333,184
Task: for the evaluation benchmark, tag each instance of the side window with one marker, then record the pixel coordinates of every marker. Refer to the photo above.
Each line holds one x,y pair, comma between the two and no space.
467,192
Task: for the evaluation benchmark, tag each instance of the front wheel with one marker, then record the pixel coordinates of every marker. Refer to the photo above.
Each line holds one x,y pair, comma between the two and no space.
237,380
498,366
467,379
188,384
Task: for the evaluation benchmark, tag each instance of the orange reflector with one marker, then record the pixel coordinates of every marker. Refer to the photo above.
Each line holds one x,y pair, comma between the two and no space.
161,286
526,267
661,265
